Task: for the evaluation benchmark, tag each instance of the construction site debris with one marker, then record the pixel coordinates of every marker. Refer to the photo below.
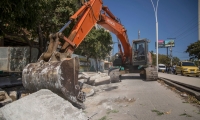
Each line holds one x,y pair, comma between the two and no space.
94,78
4,98
41,105
13,95
88,89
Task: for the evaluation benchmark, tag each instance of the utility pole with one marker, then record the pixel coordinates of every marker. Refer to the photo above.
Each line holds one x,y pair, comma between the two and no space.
171,54
138,34
167,53
199,20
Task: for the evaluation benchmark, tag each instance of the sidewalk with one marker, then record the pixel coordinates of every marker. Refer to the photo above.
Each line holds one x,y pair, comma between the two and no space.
189,81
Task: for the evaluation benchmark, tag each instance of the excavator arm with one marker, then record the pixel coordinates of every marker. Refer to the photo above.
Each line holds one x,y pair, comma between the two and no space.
91,13
56,69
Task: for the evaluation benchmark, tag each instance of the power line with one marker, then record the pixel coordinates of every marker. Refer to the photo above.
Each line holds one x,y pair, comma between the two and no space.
183,33
191,21
188,33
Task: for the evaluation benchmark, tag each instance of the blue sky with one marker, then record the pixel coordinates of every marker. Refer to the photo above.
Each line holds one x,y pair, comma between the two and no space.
176,19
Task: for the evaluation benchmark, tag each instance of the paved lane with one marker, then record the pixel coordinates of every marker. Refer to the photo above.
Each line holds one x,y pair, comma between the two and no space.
192,81
149,97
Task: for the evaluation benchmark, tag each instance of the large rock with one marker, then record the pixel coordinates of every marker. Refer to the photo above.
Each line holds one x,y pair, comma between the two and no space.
41,105
102,80
13,95
93,78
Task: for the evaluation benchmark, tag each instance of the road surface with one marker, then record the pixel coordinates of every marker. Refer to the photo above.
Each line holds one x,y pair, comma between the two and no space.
192,81
135,99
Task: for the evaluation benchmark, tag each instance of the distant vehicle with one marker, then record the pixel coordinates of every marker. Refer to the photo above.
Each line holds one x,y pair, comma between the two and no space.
161,67
187,68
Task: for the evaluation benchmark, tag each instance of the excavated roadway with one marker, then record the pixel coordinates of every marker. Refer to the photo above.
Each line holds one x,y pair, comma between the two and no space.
135,99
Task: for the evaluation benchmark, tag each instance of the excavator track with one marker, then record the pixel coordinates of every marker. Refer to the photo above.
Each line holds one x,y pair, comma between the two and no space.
149,74
114,74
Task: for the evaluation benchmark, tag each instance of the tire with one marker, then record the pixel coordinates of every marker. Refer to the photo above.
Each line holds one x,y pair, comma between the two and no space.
197,75
114,75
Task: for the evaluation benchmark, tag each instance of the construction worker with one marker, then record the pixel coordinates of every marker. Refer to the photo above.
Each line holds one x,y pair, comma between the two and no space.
141,50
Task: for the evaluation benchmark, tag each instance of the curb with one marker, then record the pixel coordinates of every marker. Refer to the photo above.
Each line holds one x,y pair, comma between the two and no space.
181,88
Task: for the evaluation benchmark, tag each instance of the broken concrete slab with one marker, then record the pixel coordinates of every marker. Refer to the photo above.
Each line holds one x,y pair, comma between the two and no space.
24,94
102,80
2,95
88,89
13,95
5,99
93,78
42,105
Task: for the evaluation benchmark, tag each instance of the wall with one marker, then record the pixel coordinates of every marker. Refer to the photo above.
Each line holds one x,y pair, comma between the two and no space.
14,59
92,65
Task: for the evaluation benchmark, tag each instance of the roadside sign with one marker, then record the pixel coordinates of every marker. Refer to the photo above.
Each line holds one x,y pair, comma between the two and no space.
169,43
161,43
165,43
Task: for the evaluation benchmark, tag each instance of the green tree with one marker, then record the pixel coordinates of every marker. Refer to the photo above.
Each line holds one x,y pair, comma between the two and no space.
35,20
175,60
194,50
153,58
163,59
97,44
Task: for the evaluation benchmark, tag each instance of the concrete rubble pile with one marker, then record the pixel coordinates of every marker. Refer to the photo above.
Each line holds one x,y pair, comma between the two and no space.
93,78
41,105
4,98
45,104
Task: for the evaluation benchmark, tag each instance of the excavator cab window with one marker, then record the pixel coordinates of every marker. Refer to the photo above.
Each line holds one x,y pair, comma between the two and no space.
139,49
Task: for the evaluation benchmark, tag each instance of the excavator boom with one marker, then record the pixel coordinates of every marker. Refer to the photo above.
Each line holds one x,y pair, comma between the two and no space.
56,69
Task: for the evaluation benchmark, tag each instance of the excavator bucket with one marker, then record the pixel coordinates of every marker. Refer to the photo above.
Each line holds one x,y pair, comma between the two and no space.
59,74
59,77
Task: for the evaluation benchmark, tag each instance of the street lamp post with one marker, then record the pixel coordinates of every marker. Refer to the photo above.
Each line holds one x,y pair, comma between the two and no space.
155,11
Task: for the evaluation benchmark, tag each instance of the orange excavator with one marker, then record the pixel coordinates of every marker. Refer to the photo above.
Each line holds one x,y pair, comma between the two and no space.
58,71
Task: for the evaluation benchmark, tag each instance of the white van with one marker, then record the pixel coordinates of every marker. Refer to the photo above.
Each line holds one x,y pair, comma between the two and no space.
161,67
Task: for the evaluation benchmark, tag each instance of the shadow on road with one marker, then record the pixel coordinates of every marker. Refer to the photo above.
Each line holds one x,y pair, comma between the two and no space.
111,88
131,77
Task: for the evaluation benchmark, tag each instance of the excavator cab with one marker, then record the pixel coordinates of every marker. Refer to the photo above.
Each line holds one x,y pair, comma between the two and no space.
140,52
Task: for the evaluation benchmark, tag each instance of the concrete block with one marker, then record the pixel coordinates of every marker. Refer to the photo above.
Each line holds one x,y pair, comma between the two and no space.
5,99
13,95
102,80
42,105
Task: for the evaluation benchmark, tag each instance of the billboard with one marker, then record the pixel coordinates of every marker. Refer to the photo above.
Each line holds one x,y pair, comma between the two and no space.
165,43
161,43
169,43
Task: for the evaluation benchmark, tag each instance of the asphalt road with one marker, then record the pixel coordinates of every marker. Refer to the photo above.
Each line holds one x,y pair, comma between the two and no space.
135,99
192,81
181,75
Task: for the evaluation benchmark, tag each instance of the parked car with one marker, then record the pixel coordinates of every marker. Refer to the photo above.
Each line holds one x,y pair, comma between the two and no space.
161,68
187,68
